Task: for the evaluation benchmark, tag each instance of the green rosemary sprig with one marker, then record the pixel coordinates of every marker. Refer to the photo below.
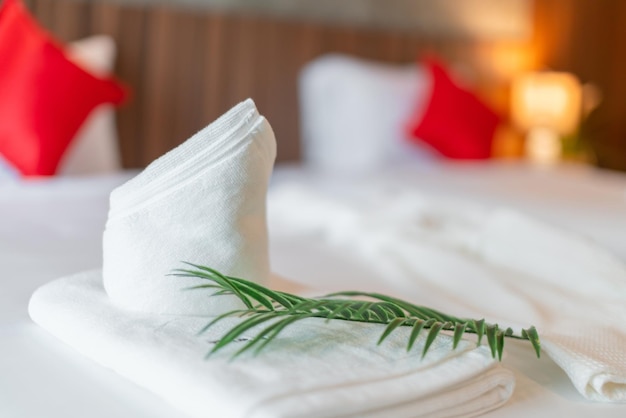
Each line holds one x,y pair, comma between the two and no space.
276,310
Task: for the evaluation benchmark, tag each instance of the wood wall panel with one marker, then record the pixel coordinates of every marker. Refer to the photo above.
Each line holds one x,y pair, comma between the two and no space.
186,67
131,120
212,89
158,83
587,38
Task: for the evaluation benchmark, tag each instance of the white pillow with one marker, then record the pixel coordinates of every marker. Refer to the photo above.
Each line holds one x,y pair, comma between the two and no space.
353,112
94,149
7,172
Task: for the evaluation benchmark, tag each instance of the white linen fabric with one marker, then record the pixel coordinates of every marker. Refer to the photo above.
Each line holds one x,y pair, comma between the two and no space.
477,261
203,203
360,108
314,369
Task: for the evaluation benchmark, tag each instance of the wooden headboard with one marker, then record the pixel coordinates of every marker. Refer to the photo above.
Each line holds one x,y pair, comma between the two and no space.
188,66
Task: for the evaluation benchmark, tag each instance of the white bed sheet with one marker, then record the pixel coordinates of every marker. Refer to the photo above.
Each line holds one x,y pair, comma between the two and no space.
53,228
589,202
49,229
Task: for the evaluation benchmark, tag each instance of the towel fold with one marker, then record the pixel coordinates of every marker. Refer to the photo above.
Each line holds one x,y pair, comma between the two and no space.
314,369
580,289
477,261
203,202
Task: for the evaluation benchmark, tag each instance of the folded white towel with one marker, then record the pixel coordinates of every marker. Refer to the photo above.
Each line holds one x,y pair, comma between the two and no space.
203,202
314,369
481,262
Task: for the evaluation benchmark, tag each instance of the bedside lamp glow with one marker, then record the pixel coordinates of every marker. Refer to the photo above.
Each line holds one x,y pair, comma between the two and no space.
547,105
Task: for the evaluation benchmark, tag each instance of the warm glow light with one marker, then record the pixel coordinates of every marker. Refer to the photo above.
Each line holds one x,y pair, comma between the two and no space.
547,100
504,60
546,105
543,146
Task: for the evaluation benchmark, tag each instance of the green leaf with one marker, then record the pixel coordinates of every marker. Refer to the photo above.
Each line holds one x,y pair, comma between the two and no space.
278,327
277,297
532,335
432,334
283,309
219,318
413,310
242,327
500,343
459,330
269,333
203,286
479,329
379,312
338,310
393,310
220,280
491,338
417,328
364,306
389,329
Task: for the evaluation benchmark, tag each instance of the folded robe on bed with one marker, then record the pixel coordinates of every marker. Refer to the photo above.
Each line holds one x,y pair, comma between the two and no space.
472,260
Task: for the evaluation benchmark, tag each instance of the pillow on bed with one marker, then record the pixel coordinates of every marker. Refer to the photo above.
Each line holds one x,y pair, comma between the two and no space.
94,149
455,122
45,96
353,112
7,172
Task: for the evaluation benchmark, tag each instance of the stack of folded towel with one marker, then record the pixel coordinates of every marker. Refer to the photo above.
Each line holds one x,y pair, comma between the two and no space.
477,261
204,202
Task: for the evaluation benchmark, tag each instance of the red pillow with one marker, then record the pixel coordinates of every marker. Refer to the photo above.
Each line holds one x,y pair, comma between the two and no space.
44,97
456,122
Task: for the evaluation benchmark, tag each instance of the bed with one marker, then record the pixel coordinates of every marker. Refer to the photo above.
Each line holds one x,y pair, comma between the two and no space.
52,227
38,367
551,196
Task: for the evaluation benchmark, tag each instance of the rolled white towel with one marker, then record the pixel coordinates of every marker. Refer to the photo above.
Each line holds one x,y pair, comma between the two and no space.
203,202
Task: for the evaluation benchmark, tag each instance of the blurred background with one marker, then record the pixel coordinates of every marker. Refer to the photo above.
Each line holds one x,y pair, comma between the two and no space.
188,61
